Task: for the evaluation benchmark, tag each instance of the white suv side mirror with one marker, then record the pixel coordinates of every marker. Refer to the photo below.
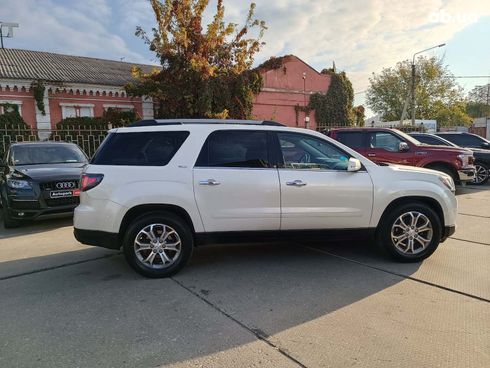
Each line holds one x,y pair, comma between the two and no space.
354,165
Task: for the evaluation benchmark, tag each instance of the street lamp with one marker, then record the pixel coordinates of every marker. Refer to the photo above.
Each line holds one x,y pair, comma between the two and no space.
413,78
307,118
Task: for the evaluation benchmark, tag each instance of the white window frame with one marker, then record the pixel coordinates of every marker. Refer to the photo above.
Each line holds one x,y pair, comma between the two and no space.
11,102
77,106
118,106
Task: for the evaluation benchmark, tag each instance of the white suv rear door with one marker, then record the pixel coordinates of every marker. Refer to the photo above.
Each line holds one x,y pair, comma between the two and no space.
234,185
317,191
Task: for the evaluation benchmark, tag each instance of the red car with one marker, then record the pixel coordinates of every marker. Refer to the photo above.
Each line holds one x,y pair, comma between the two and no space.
393,146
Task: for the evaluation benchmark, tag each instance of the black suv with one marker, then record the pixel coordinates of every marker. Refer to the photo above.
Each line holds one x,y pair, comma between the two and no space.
39,180
467,140
482,156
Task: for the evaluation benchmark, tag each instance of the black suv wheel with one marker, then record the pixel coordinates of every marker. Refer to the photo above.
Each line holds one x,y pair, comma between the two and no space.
158,244
482,173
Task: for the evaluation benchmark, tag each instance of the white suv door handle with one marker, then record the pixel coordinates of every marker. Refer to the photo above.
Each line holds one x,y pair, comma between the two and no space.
296,183
209,182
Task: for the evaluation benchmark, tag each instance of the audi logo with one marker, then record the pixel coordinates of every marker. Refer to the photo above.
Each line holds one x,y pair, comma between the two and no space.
65,185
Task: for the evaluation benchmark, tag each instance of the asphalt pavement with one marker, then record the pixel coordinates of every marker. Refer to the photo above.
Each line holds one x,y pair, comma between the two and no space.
323,304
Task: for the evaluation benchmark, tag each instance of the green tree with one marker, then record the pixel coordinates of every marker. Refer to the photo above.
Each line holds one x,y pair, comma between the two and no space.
203,73
334,108
478,102
438,96
359,115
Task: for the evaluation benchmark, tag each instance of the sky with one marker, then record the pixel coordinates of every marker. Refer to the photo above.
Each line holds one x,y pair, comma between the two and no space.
361,36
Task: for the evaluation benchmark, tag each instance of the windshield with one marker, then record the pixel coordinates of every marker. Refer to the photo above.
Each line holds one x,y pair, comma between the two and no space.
46,154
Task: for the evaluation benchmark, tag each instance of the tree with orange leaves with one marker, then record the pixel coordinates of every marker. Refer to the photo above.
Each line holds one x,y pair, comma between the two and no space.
203,73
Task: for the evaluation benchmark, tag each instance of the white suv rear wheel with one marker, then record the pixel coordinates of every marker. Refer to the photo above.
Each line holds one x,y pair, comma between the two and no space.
158,244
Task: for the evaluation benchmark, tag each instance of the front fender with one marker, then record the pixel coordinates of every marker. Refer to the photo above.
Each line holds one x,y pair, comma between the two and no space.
386,194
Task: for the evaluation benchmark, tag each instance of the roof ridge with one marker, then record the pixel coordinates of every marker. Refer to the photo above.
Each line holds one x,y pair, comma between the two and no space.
74,56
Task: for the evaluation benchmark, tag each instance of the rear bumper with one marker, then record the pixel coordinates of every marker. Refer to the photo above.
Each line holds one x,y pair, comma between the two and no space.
448,231
466,174
98,238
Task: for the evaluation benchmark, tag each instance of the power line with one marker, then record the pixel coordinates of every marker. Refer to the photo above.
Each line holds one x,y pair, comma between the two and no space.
471,76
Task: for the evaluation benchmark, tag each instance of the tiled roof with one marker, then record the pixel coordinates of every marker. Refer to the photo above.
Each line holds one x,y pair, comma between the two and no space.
47,66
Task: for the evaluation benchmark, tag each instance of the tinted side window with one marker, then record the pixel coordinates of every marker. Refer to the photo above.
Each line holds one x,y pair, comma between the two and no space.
463,139
139,148
235,148
384,140
429,140
301,151
351,139
471,140
455,138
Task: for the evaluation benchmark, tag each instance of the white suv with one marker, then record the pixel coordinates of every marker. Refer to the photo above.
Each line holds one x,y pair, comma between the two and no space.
160,187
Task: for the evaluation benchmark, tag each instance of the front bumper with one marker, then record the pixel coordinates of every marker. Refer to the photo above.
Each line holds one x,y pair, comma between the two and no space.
466,174
33,209
102,239
448,231
38,202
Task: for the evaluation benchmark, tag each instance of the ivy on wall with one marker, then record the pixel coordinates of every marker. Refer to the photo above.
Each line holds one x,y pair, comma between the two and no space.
37,87
11,116
298,109
334,108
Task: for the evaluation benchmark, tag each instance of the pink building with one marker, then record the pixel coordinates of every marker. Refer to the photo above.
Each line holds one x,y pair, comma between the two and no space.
73,86
287,87
81,86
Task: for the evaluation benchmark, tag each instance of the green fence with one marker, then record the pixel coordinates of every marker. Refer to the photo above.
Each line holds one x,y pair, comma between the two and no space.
88,138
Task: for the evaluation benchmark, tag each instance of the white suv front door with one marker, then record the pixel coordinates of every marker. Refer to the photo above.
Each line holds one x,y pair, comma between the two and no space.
317,191
234,186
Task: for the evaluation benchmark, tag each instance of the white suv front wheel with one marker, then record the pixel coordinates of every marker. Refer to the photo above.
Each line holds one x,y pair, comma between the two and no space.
410,232
158,244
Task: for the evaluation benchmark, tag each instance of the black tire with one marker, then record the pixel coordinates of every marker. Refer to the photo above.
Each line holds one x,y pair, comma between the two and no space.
8,221
184,234
482,170
384,239
447,170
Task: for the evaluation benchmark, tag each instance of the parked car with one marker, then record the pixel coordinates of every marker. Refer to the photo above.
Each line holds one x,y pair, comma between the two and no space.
158,189
40,180
482,157
468,140
383,145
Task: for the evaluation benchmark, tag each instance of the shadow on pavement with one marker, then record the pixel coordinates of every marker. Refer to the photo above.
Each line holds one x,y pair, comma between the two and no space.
101,313
33,227
468,189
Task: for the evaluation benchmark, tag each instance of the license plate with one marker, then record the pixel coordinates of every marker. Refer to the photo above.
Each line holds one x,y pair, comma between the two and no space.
61,194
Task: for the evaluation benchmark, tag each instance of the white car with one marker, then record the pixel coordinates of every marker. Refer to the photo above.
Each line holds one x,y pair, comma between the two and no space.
160,187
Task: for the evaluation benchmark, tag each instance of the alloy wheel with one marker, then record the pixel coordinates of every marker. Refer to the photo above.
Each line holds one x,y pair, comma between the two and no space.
411,233
157,246
481,174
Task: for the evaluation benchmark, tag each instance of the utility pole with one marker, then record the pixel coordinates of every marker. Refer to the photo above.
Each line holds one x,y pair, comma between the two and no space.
413,92
413,78
10,30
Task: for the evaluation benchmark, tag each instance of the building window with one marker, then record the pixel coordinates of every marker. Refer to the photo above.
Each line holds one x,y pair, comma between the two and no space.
76,110
118,107
10,106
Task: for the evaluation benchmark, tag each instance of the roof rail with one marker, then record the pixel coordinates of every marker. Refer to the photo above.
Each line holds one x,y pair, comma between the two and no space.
155,122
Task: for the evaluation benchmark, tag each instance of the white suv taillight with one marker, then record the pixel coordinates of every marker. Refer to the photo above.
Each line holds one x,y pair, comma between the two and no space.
90,181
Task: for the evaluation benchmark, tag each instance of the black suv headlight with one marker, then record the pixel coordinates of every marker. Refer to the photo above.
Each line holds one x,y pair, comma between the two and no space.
19,184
